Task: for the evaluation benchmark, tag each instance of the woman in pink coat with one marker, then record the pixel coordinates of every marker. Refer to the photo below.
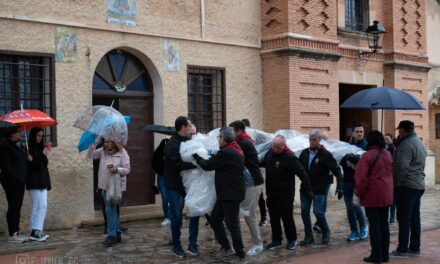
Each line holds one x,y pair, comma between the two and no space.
374,187
114,159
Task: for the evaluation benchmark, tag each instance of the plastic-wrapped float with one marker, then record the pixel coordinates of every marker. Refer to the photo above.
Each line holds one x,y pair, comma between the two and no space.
199,184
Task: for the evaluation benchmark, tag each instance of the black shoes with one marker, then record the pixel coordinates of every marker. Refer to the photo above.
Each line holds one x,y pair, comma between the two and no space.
109,241
370,260
179,252
307,241
325,237
193,250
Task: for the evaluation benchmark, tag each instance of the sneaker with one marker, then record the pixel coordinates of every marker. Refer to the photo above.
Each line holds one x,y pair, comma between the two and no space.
263,222
353,236
398,255
118,237
165,222
255,250
45,235
109,241
307,241
20,234
274,245
36,235
178,252
16,239
413,253
193,250
317,228
222,253
364,232
291,245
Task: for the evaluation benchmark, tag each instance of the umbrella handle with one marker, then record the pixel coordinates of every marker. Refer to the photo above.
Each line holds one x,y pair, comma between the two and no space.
25,134
89,153
26,139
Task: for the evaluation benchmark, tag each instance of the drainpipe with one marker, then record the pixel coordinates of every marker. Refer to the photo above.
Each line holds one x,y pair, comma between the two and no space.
202,18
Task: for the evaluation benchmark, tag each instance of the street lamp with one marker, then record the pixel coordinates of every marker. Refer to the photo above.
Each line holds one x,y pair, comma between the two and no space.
374,33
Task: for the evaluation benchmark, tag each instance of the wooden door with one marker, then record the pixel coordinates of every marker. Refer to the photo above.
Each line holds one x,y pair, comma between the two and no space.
140,149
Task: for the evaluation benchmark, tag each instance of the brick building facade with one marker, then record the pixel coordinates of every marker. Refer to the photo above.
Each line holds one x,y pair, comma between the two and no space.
311,62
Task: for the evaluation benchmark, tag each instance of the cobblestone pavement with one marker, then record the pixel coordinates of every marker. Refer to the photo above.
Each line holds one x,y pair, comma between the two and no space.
147,242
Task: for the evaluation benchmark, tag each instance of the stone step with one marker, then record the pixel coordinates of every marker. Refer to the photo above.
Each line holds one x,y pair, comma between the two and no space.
128,214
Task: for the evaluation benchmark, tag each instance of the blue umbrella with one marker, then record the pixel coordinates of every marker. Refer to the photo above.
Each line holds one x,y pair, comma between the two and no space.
88,138
383,98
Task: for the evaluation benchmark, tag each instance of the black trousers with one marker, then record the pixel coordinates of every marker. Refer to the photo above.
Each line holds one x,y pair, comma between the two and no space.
281,210
262,205
228,211
14,196
379,232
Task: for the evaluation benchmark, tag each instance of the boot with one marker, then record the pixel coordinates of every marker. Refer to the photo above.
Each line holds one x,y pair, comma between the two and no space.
325,237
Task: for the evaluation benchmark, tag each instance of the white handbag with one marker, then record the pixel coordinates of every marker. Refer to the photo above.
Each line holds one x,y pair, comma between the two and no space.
114,194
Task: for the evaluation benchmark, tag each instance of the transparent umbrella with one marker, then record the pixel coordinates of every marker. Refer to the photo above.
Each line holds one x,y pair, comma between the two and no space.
105,122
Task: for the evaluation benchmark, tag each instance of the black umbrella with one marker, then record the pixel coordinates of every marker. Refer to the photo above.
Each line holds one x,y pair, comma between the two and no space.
160,129
384,98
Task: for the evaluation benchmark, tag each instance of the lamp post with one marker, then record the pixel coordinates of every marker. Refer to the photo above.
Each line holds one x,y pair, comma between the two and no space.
375,40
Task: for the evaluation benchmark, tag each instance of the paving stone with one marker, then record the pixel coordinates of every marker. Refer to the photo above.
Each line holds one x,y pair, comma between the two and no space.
147,241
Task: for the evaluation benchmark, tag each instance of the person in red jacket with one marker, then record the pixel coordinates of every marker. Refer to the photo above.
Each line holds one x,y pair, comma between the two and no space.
374,187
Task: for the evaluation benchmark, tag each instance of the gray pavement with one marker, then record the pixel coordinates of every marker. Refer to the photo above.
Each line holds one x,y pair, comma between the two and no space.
147,242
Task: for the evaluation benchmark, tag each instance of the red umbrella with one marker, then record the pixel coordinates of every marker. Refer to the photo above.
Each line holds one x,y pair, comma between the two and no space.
29,118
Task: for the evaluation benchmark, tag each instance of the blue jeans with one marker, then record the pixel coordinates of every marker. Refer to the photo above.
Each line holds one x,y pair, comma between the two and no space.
176,204
319,211
111,213
163,194
353,211
408,216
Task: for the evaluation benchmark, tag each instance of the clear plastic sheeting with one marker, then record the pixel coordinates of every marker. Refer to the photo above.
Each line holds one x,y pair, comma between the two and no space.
199,184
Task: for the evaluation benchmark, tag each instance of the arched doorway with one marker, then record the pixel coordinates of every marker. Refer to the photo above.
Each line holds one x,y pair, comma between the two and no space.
122,79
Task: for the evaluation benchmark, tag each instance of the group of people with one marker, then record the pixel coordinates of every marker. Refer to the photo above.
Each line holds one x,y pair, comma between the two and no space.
25,168
389,174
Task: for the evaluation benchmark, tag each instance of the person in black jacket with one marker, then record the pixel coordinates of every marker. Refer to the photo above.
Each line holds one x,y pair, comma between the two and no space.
14,169
158,164
318,163
38,183
175,189
254,184
281,168
228,164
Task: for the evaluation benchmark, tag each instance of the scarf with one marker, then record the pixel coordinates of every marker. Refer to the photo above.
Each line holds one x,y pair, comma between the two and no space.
244,136
317,149
234,145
